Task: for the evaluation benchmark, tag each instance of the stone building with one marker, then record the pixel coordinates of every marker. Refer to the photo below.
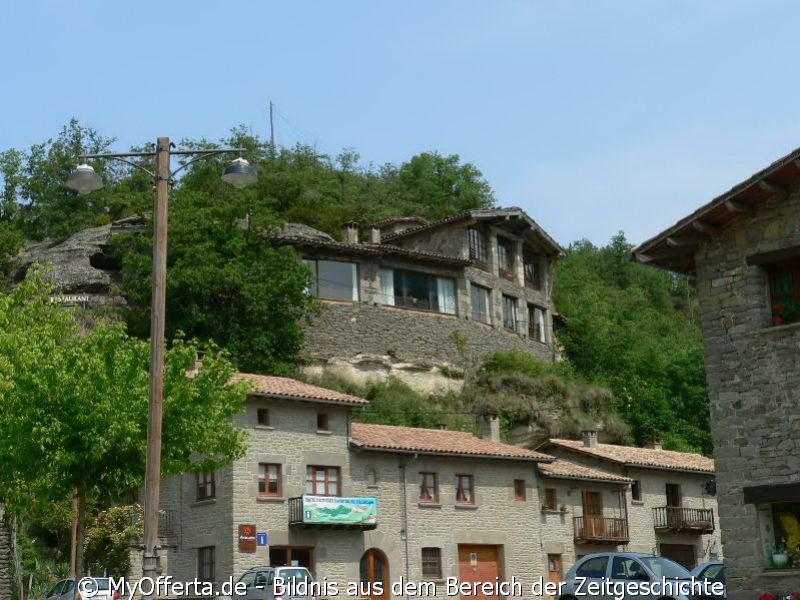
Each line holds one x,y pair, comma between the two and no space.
419,503
743,248
643,499
362,502
419,299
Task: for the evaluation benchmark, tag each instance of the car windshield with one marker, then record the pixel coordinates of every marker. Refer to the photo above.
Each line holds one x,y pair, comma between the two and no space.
296,574
663,567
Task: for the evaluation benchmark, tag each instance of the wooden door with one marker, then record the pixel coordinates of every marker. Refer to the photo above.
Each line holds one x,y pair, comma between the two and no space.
374,568
682,554
555,569
478,564
593,513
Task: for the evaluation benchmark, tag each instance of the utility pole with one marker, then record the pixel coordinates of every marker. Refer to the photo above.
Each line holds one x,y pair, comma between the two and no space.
271,131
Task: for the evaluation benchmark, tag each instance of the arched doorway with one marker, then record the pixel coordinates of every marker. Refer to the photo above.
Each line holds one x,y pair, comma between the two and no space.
374,568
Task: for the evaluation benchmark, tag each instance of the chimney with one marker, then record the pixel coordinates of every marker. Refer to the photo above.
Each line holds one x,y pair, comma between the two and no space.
350,232
654,445
490,427
589,438
375,235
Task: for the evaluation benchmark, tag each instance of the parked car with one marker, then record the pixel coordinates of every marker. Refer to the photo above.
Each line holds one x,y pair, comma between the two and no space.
92,587
260,582
713,570
610,573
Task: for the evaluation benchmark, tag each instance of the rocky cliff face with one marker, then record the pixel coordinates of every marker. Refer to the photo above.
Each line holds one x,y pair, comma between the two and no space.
5,558
80,267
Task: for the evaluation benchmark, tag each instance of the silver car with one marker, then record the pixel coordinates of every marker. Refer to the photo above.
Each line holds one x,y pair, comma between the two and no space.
298,584
98,588
625,576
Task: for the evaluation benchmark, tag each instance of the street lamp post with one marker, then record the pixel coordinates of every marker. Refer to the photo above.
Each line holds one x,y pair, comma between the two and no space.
84,180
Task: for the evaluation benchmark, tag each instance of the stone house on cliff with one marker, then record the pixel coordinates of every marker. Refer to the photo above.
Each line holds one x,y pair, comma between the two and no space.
743,248
417,296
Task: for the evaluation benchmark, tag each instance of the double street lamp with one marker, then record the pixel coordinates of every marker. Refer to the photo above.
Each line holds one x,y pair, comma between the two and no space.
84,180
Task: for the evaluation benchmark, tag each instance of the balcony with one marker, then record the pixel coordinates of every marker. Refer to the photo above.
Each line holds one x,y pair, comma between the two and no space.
600,530
677,519
333,512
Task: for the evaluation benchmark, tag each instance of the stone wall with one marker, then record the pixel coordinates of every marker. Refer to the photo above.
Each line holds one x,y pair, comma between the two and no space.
754,386
5,558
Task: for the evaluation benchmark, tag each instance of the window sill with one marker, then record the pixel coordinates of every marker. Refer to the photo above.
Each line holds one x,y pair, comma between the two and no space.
203,502
429,505
637,502
465,506
273,499
265,427
553,511
780,572
416,311
780,328
324,432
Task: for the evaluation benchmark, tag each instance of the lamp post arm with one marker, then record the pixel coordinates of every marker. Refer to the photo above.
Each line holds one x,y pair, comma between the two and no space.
200,155
121,158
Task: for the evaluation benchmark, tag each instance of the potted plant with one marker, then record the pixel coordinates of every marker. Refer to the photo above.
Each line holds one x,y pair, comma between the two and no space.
780,557
786,310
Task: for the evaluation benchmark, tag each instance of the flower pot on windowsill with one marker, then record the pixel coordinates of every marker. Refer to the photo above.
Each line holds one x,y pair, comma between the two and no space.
776,320
780,560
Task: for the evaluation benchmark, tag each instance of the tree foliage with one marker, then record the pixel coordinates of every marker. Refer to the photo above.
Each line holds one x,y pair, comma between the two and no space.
634,329
73,405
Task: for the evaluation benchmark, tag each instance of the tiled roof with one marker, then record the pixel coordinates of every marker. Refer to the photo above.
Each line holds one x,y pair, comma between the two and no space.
373,249
564,469
482,214
435,441
283,387
641,457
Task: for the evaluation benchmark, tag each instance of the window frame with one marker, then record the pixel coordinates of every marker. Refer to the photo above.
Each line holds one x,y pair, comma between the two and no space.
263,417
636,490
478,246
428,487
431,565
505,258
206,560
779,293
532,270
519,490
206,486
512,323
465,496
314,288
327,481
323,422
550,499
401,297
536,325
265,478
476,315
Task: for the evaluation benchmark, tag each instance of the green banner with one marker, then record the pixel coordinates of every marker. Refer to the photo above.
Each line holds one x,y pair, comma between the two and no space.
334,510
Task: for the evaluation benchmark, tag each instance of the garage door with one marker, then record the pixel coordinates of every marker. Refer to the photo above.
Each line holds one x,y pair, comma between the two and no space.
681,553
478,564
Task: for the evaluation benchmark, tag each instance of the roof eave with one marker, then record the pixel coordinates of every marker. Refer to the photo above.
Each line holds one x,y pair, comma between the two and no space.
306,399
368,448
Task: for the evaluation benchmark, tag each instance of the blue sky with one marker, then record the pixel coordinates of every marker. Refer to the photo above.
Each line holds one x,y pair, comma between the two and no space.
594,117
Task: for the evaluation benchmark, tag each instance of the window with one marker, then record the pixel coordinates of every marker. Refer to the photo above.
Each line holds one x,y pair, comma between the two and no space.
779,524
784,287
636,490
593,567
673,493
464,491
323,481
509,313
531,267
480,304
269,479
322,422
262,417
477,246
428,490
505,258
550,499
332,280
205,563
519,489
419,291
206,486
431,563
536,323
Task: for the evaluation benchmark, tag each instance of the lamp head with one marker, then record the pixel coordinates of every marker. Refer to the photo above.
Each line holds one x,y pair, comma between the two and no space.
239,173
84,180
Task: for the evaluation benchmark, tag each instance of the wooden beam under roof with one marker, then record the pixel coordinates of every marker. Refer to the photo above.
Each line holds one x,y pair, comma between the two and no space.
686,240
704,226
771,187
737,206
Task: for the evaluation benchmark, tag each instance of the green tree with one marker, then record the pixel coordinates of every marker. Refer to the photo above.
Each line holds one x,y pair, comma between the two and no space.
73,406
633,329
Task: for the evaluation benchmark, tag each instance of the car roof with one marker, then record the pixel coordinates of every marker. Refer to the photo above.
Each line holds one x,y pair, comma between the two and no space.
628,554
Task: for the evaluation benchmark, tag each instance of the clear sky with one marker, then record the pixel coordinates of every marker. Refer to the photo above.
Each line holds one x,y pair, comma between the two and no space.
593,116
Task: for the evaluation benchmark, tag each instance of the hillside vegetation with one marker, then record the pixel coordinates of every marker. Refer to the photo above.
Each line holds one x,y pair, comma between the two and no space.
635,363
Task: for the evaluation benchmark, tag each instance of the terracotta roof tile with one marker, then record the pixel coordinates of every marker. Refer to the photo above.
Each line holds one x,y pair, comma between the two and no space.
642,457
564,469
284,387
435,441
